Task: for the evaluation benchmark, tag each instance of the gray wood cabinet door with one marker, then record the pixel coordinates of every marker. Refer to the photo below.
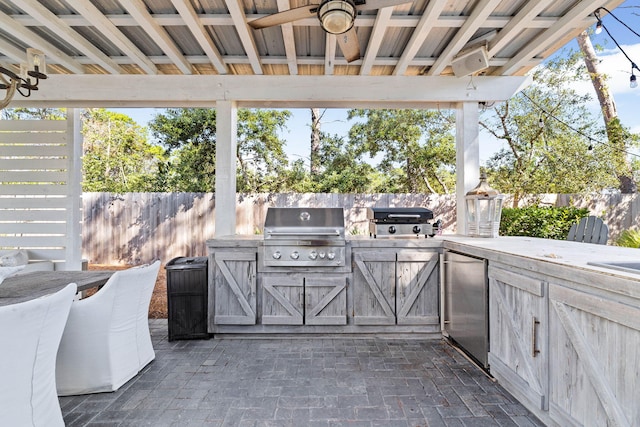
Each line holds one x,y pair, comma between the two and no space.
282,299
518,327
325,300
235,287
594,365
374,287
417,288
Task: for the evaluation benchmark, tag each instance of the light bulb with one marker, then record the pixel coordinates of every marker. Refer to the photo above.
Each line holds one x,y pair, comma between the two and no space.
540,123
599,27
633,82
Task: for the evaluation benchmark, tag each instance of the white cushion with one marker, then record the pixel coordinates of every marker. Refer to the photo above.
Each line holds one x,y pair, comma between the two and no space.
9,271
14,258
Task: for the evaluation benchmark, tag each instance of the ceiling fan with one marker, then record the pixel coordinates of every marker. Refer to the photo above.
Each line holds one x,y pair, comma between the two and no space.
336,17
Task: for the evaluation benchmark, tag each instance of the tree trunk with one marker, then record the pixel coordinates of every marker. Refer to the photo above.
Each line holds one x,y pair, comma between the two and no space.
609,112
315,141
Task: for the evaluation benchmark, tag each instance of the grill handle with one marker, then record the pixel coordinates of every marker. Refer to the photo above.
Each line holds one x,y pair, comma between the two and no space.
393,216
299,233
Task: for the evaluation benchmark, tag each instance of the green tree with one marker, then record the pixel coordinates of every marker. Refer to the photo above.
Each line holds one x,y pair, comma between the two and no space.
340,171
117,155
544,154
34,113
416,147
189,135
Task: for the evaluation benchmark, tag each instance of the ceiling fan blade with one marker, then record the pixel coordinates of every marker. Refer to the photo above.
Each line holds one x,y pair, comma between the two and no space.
349,45
285,16
379,4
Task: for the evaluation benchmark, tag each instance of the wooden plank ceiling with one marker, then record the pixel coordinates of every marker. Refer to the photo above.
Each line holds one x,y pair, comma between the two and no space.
213,37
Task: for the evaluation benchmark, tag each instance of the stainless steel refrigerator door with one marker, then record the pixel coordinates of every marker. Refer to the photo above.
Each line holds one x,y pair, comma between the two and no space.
467,303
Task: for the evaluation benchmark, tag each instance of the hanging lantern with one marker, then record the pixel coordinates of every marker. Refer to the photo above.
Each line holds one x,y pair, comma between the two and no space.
484,207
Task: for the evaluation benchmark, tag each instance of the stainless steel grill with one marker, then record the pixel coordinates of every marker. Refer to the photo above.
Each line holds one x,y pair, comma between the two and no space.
401,222
304,237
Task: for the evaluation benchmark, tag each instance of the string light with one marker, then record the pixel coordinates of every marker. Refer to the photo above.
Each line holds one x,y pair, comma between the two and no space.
579,132
633,83
540,123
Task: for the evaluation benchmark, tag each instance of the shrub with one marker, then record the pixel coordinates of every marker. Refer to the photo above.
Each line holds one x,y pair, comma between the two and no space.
629,239
535,221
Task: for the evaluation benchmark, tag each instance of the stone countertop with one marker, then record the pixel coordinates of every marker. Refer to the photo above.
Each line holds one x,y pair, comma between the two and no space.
557,258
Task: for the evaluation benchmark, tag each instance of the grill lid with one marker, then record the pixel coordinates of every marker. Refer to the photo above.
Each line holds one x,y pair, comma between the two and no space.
399,215
324,223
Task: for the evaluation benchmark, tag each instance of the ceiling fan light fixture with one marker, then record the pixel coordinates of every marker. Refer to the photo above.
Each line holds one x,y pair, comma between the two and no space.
337,16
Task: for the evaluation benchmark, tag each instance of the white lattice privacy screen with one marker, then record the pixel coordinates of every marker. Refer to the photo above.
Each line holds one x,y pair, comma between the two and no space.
40,188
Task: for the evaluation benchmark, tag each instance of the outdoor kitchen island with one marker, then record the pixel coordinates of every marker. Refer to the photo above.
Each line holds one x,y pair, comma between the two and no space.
564,334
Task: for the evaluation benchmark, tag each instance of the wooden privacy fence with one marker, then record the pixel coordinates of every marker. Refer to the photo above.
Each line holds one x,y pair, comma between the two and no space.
134,228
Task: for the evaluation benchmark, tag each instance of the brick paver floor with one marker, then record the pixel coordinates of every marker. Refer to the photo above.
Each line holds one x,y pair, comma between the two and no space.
358,382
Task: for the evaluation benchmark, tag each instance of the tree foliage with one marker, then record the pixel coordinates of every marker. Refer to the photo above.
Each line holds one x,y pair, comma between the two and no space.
117,155
189,135
544,153
415,147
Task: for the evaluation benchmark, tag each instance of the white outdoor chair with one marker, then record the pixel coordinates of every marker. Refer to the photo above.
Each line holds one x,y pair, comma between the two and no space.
589,230
30,333
106,341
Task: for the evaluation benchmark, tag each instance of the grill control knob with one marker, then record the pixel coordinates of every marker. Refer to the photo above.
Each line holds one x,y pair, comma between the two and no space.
416,229
276,255
322,255
313,255
331,255
392,229
295,255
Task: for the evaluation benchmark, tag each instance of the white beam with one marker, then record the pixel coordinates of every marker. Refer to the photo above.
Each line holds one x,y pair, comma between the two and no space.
467,158
102,24
377,34
73,249
190,17
288,40
330,53
157,33
55,24
571,19
268,91
226,145
32,39
476,20
423,28
248,43
525,16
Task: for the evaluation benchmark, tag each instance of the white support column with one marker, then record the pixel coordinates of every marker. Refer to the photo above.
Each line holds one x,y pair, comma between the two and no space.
226,144
467,157
73,250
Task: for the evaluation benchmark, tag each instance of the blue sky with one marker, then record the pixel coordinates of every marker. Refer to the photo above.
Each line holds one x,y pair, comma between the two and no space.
613,63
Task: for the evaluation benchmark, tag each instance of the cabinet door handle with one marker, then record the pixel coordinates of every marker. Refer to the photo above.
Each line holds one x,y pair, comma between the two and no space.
534,340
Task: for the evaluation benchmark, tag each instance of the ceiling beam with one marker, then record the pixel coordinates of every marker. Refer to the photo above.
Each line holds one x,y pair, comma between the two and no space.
55,24
138,10
246,38
424,27
32,39
274,91
377,34
330,53
572,18
195,25
288,40
476,20
403,21
102,24
517,24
